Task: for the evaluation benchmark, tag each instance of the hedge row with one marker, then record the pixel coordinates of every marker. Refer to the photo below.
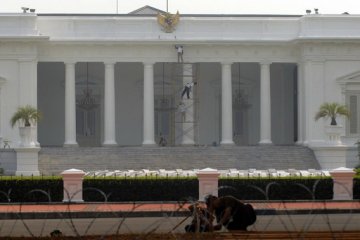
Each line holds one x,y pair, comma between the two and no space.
169,189
31,190
140,189
277,189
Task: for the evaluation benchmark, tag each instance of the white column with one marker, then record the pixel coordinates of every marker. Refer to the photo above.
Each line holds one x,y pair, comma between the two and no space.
307,120
28,87
265,104
300,104
226,105
148,119
70,105
109,108
2,81
28,82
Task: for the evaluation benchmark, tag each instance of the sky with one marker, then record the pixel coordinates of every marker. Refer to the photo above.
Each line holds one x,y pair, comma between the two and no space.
297,7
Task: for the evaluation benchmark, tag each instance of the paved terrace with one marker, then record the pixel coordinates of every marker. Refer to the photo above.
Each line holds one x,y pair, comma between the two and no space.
117,218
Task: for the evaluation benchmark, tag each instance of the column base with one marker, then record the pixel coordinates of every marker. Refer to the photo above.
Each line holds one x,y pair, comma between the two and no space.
265,142
149,143
109,144
227,142
71,144
188,143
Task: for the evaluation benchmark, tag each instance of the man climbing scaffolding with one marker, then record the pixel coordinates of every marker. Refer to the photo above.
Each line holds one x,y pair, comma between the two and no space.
187,89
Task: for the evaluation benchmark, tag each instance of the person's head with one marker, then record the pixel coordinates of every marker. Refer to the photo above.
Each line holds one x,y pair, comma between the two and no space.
211,200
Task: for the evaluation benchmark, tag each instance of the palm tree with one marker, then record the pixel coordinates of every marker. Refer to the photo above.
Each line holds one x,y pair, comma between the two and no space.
26,115
332,110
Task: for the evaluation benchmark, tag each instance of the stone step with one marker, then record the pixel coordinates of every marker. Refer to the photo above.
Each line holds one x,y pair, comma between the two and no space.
53,160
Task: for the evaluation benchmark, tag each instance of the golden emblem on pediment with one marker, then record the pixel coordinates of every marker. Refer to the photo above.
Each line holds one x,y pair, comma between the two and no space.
168,21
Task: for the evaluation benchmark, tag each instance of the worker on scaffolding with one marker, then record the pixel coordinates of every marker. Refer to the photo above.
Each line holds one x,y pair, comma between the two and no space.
180,53
187,89
182,109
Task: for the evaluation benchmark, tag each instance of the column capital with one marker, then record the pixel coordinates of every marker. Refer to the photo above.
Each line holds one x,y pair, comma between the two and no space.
226,63
148,63
70,63
109,63
265,62
29,59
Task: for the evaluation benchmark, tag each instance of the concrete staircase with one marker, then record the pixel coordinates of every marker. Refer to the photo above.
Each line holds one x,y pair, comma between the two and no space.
54,160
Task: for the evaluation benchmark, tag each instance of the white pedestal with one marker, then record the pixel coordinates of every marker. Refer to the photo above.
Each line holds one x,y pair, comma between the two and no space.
335,156
208,182
334,133
27,161
27,137
343,183
73,185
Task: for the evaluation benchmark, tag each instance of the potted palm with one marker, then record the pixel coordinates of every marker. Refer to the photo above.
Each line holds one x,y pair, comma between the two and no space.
332,111
27,118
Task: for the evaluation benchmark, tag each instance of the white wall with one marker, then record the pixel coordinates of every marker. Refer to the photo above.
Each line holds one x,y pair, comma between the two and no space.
9,99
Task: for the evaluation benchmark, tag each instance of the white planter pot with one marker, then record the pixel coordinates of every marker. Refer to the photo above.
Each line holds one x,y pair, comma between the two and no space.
334,132
27,136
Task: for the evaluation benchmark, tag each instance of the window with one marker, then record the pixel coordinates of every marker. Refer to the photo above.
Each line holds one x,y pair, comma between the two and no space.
353,102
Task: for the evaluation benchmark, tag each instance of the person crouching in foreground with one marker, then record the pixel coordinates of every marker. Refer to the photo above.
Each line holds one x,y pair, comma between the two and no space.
230,213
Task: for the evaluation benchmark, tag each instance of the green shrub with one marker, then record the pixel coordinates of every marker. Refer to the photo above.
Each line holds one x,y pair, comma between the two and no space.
45,189
31,189
277,189
140,189
356,188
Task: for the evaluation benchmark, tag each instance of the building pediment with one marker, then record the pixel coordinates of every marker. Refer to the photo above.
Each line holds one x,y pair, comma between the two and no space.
352,78
147,10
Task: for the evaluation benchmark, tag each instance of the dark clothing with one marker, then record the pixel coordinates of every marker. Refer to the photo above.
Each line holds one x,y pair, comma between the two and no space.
193,228
187,91
242,214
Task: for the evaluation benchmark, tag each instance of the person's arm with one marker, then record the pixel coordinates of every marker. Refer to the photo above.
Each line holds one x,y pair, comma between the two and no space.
225,218
211,218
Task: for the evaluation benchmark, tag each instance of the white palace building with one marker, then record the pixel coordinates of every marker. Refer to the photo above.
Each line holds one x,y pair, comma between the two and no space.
104,80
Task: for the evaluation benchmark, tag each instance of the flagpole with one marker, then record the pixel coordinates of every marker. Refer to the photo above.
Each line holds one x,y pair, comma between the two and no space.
167,5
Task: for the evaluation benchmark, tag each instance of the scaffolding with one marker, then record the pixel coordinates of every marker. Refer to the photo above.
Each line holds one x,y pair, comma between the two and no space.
176,116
